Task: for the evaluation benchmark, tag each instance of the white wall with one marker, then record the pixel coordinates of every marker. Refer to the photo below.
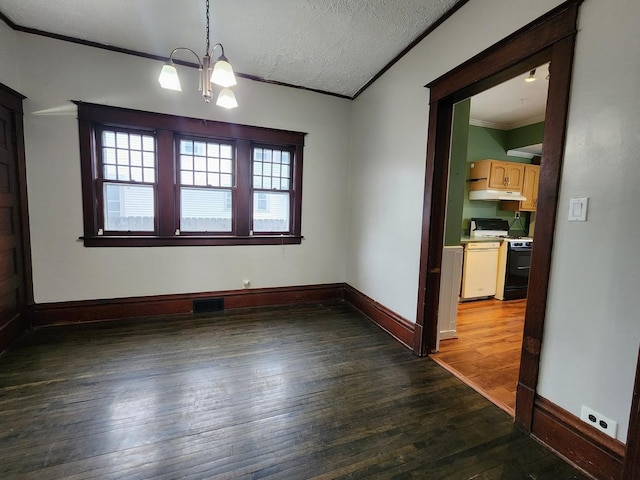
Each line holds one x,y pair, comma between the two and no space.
388,150
592,329
8,58
53,72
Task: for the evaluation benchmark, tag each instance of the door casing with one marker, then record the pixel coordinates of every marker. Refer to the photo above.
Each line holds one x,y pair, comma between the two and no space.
550,38
9,331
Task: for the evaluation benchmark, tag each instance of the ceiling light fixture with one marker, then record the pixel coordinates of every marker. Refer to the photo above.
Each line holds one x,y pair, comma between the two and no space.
531,77
221,74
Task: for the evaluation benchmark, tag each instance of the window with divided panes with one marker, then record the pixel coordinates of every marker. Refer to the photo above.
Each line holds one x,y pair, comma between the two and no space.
206,178
271,189
152,180
127,180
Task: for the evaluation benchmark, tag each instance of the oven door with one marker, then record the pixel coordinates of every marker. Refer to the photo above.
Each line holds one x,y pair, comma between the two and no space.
518,265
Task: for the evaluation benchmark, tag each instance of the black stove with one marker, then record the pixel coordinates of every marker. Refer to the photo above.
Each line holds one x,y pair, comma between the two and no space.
514,259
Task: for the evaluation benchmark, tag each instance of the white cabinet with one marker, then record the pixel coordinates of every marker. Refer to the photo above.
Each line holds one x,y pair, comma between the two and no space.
480,270
451,274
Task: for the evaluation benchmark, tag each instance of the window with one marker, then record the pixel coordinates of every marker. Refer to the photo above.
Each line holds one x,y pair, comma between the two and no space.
151,179
271,189
206,171
127,179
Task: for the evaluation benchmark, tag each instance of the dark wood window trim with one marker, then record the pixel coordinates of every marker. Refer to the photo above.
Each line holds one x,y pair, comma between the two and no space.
167,129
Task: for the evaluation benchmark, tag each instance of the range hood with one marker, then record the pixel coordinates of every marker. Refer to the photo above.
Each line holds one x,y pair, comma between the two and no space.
495,195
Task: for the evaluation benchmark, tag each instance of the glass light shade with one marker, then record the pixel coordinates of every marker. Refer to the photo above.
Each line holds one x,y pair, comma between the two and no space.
223,73
531,77
227,99
169,77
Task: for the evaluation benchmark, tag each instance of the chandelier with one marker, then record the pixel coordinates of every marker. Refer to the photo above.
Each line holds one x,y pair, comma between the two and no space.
220,73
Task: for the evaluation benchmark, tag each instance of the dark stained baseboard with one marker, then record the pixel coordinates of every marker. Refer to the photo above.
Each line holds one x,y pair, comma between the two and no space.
117,308
586,447
392,323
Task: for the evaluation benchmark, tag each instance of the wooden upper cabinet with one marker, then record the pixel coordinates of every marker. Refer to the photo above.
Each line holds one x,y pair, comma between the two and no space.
496,175
515,176
531,178
530,188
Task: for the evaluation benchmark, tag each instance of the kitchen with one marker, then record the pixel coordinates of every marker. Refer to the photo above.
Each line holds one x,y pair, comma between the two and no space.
490,224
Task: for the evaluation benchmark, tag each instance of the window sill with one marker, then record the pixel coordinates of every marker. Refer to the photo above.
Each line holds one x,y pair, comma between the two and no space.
188,240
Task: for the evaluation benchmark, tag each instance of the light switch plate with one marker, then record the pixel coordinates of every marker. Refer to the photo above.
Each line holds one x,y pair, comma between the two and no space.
578,209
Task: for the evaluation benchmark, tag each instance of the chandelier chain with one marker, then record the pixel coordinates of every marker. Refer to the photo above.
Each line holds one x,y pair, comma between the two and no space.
207,52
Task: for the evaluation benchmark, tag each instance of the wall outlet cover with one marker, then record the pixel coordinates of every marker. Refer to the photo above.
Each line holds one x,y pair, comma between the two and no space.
599,421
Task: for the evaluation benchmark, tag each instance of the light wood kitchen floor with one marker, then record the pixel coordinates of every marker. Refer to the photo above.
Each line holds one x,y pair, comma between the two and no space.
486,354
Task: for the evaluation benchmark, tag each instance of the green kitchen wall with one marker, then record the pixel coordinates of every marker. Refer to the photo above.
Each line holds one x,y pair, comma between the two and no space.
480,143
523,136
457,172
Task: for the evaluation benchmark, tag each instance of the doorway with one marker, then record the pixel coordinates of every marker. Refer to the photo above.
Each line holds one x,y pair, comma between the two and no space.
548,39
504,123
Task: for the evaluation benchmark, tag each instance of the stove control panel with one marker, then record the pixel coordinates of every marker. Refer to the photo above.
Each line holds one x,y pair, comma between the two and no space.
520,244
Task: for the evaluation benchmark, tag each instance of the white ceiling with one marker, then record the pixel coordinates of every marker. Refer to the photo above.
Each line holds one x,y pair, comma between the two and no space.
512,104
335,46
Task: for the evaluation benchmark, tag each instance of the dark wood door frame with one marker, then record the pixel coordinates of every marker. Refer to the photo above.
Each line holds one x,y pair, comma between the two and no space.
632,456
549,38
12,100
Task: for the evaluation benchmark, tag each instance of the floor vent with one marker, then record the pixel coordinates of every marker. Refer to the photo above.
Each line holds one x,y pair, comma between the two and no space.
204,305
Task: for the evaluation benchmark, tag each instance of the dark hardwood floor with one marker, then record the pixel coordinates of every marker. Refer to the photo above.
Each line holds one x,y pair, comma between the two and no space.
311,391
486,354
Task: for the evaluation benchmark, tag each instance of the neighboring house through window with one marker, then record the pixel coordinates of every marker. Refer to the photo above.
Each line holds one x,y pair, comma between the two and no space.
261,204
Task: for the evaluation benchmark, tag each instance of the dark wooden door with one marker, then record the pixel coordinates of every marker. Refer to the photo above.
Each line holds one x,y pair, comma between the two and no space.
15,286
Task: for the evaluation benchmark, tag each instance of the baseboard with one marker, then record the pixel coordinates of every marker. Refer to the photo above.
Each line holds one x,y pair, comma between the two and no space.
58,313
117,308
392,323
589,449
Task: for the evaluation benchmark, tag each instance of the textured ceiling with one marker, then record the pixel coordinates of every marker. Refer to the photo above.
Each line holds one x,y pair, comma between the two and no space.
335,46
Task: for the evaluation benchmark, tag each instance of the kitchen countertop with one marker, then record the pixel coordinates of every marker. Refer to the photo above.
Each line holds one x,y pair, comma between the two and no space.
467,239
